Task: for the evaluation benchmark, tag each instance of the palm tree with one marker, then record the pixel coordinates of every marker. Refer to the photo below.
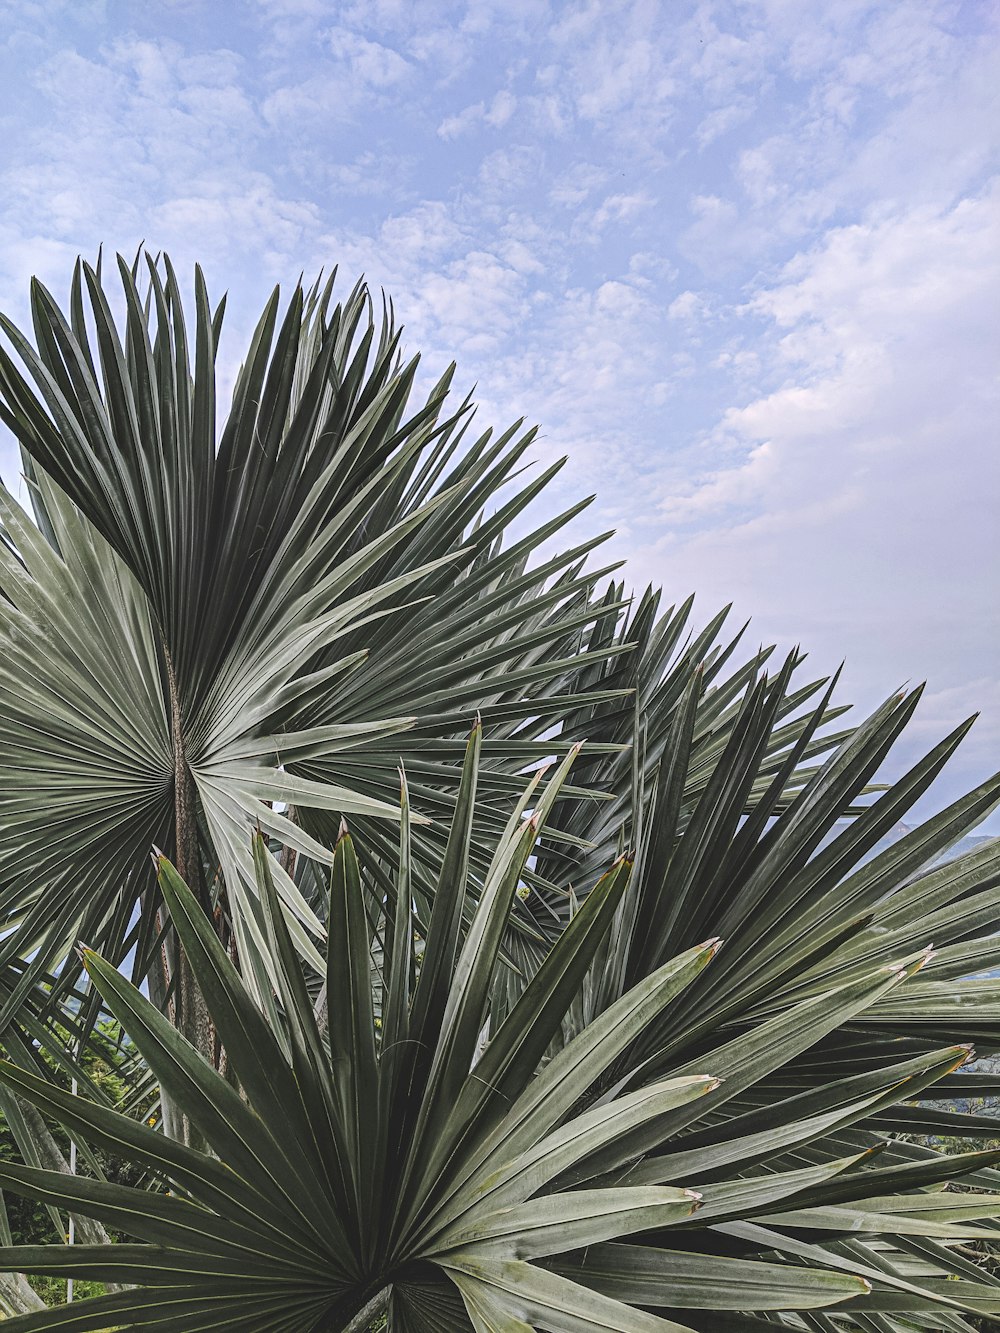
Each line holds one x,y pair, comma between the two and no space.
630,704
395,1166
210,631
463,1064
207,630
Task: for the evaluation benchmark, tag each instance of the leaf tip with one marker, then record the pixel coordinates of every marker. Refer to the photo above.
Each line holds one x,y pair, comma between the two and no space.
964,1053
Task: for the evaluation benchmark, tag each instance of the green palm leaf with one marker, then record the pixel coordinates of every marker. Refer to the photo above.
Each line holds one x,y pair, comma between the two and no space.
230,621
488,1189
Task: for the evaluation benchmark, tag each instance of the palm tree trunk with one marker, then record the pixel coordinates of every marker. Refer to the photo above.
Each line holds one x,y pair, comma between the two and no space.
17,1296
190,1015
362,1318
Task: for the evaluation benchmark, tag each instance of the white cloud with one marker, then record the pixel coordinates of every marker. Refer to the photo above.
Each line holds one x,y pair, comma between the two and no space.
501,109
688,305
495,114
877,327
255,219
501,177
617,208
451,292
575,184
722,120
373,64
718,238
322,97
735,257
858,510
463,122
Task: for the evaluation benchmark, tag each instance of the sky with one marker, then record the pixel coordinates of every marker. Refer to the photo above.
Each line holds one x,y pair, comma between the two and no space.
740,260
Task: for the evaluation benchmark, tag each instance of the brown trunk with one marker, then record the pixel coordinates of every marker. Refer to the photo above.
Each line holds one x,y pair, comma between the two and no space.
190,1015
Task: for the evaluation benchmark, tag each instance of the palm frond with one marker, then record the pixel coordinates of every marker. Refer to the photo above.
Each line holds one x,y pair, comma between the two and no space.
505,1186
224,625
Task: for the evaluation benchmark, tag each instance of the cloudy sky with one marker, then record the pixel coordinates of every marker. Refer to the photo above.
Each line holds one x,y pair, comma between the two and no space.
739,258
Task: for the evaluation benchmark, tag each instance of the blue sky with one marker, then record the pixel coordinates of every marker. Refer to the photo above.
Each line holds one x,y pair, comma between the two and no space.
741,261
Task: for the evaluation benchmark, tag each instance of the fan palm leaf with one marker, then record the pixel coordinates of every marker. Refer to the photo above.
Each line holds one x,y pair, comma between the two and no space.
500,1187
635,731
215,627
808,900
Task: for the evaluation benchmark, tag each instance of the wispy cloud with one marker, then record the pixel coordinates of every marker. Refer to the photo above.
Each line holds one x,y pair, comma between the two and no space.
739,260
494,115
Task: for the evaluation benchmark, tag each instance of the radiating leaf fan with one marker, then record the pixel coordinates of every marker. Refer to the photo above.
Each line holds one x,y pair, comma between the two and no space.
504,1187
211,631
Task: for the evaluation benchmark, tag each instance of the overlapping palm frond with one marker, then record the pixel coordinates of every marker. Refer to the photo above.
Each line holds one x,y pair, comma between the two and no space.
635,730
508,1187
793,884
808,901
459,1071
212,630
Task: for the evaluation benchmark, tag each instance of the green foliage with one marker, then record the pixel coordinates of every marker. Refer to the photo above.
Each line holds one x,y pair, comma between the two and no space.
670,1046
27,1220
269,616
586,1189
53,1290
